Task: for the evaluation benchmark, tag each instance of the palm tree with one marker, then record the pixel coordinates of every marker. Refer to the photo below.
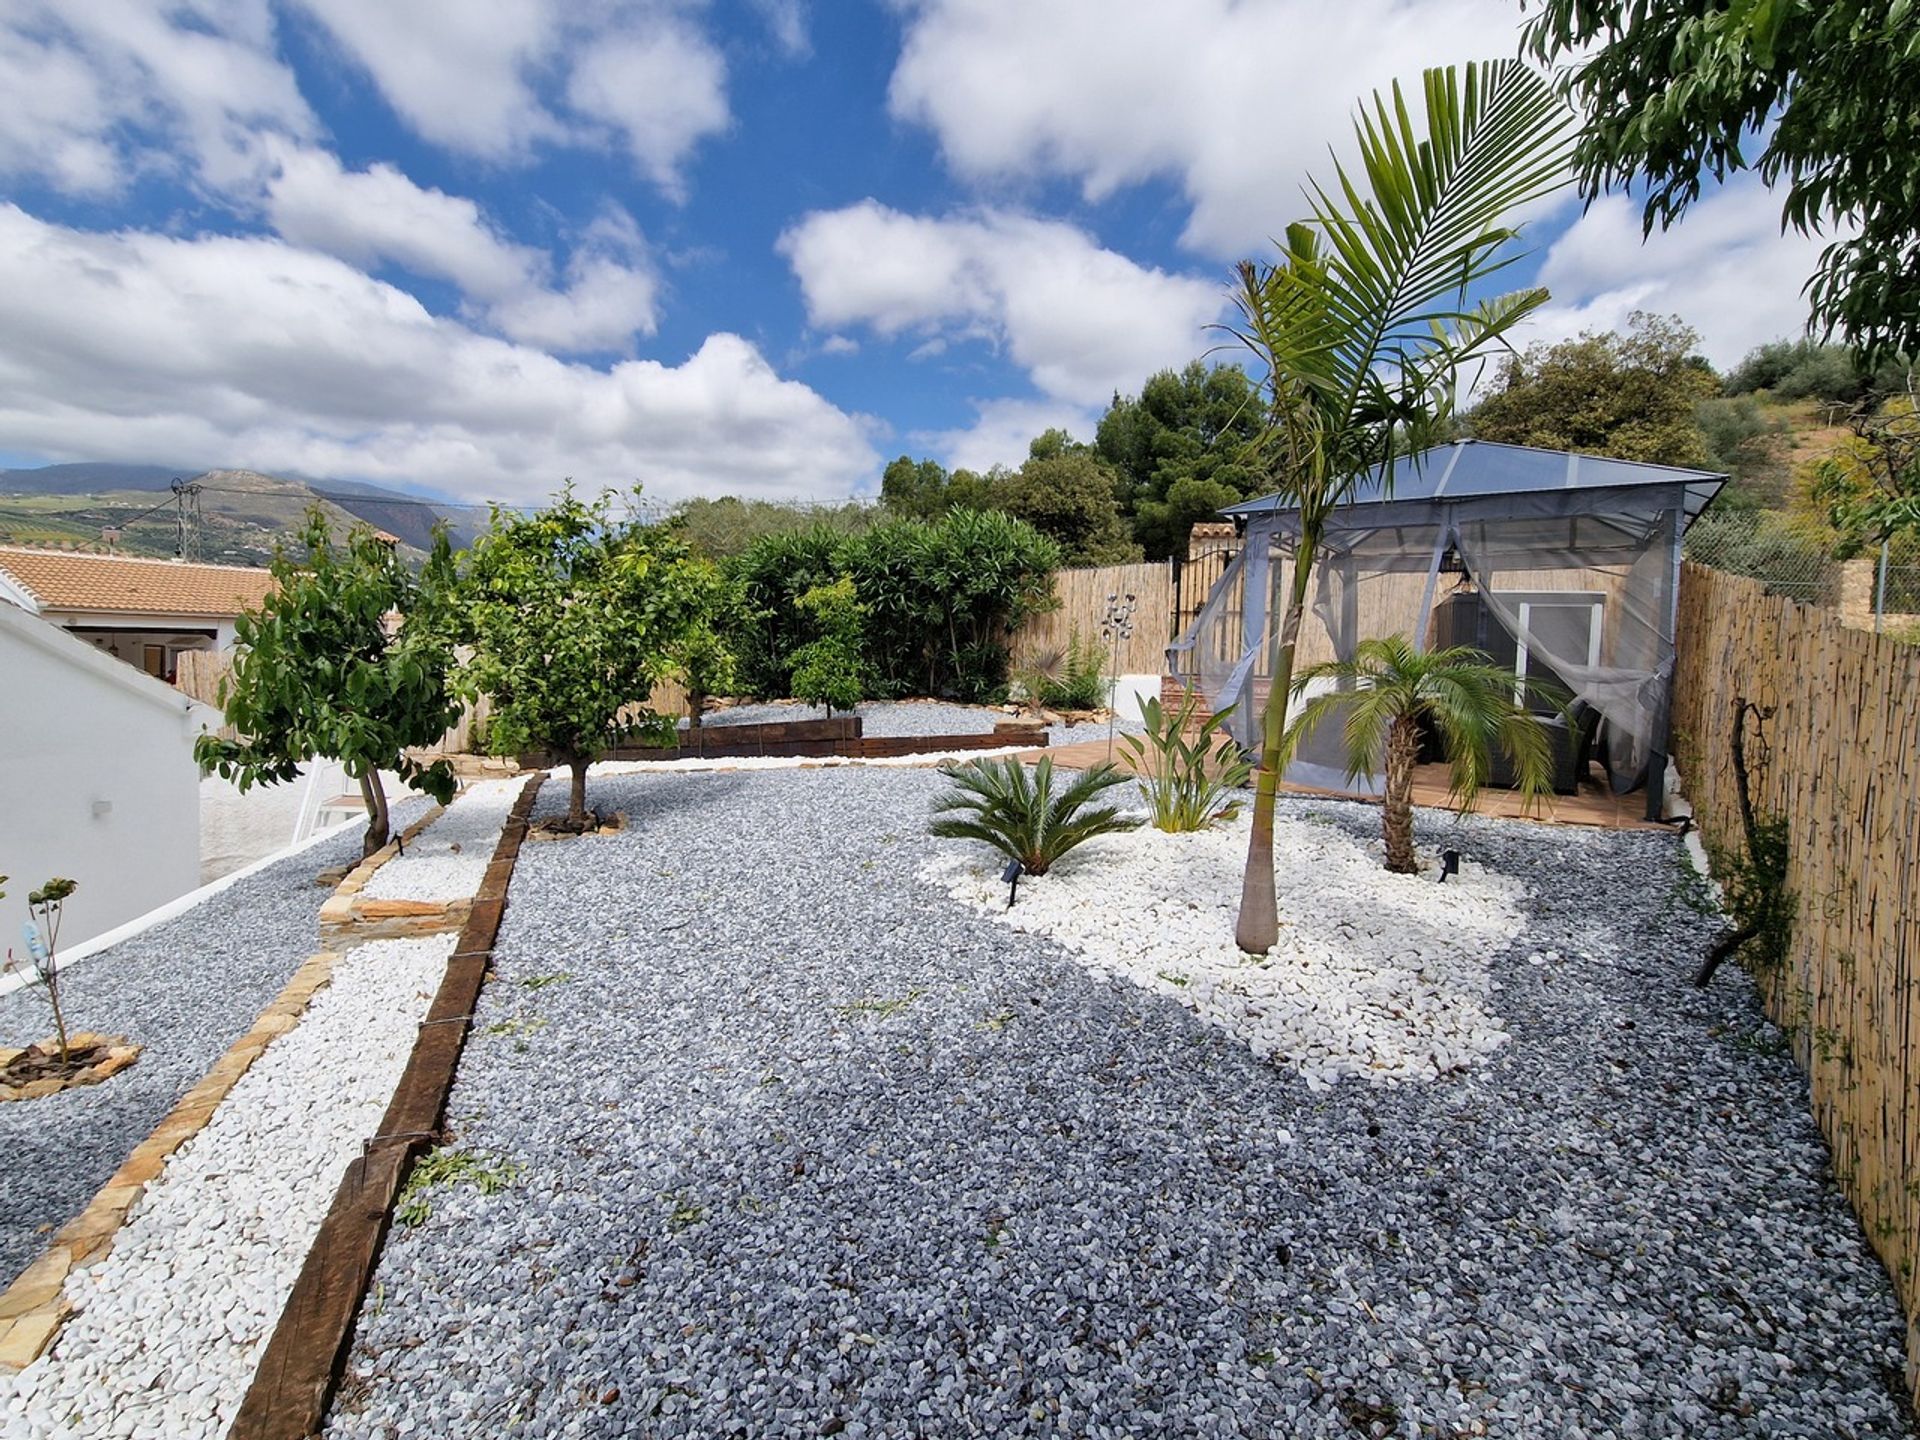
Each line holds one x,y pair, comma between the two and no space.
1388,688
1363,323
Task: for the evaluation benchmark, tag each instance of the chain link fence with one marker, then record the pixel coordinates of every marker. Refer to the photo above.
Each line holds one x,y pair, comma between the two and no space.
1903,590
1788,554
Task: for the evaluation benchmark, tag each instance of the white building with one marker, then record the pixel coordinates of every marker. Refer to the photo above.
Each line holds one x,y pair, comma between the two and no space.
142,611
97,780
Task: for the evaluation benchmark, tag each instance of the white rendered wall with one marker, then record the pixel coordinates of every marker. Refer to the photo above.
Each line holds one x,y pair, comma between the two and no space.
97,783
1130,692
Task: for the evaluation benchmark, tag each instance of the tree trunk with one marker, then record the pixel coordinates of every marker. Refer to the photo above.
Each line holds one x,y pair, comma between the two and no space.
376,801
1258,928
696,702
1396,809
577,797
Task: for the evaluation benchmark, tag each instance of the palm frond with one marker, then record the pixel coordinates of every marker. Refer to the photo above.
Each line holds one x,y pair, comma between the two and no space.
1003,804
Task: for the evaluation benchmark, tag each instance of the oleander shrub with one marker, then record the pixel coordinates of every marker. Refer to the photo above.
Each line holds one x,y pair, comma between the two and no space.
942,600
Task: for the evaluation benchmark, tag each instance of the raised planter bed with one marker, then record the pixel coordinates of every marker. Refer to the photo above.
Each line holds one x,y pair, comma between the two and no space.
842,737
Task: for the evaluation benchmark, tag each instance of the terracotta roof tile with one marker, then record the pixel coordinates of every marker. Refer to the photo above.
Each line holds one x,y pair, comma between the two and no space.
75,580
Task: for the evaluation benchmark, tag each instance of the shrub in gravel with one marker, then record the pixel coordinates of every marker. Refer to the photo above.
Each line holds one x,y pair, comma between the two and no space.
1066,677
828,670
1191,773
43,947
1003,804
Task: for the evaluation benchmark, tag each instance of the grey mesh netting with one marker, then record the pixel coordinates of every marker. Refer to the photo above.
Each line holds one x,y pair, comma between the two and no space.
1564,567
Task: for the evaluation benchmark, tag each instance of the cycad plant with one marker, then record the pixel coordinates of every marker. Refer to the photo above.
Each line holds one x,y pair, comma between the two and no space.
1066,677
1388,688
1003,804
1192,773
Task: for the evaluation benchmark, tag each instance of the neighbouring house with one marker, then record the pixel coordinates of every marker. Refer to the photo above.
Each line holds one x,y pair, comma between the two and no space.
97,780
145,612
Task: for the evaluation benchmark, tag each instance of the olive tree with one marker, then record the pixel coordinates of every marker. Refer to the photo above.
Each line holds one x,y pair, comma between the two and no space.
573,614
344,661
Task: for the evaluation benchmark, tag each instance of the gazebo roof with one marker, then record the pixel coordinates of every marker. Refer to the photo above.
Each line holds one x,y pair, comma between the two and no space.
1477,469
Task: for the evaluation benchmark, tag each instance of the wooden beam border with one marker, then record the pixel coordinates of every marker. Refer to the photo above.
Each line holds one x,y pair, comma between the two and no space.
302,1362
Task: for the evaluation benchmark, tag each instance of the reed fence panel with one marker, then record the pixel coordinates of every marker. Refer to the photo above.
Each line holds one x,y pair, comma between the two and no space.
201,673
1084,596
1841,761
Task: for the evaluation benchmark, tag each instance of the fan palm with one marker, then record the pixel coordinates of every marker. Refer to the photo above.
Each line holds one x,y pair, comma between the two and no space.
1363,323
1016,812
1388,688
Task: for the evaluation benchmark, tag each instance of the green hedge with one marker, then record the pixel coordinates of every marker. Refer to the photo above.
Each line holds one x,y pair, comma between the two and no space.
943,599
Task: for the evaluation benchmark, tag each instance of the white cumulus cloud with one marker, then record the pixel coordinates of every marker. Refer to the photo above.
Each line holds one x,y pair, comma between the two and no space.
250,351
1727,269
661,88
1082,320
380,216
1235,101
499,78
95,93
1002,431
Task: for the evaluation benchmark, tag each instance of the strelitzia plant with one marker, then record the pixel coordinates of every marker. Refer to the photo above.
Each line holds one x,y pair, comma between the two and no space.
1191,773
1003,804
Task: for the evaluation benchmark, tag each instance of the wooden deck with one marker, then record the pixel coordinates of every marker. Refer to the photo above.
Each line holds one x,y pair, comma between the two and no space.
1594,805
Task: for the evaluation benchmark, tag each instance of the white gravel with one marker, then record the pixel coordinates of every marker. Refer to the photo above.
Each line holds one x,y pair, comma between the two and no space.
447,860
1376,975
172,1320
797,762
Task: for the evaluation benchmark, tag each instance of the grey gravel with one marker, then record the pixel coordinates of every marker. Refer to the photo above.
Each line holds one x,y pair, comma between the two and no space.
808,1148
184,990
915,717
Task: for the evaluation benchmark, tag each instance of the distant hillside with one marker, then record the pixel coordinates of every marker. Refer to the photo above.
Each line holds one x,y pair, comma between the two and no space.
242,512
85,478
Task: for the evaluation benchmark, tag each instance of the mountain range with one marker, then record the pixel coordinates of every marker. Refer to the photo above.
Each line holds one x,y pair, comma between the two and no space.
236,517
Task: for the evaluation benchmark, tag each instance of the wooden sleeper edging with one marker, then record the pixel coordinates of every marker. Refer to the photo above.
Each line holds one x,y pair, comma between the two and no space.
302,1362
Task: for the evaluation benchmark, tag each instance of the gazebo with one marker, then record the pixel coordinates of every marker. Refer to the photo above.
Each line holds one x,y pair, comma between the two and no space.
1564,566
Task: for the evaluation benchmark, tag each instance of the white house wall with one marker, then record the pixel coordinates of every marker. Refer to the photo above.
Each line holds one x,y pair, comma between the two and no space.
97,782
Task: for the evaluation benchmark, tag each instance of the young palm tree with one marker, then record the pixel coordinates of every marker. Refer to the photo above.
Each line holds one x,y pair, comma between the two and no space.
1363,323
1468,699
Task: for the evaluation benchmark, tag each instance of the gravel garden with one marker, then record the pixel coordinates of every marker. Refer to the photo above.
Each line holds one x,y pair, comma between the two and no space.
775,1122
183,990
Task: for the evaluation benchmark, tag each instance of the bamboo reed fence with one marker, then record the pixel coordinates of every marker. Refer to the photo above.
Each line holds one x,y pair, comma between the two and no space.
1841,761
200,673
1084,596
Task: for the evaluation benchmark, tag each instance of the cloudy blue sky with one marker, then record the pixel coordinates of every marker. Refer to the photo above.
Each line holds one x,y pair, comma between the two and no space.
741,246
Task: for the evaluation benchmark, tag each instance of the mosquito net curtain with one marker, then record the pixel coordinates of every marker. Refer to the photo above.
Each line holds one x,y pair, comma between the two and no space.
1574,587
